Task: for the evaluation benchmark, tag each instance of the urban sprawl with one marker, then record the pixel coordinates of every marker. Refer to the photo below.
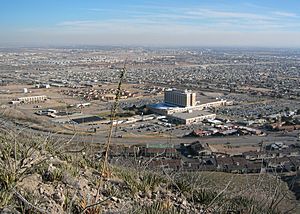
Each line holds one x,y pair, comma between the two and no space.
231,110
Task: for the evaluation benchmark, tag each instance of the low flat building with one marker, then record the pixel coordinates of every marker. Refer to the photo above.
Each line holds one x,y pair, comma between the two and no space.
32,99
78,119
190,117
168,109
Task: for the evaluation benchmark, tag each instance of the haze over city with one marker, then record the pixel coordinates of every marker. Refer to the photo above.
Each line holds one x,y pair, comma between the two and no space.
257,23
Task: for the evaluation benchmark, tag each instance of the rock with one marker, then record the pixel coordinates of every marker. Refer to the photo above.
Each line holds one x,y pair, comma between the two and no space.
182,201
165,193
6,211
41,190
154,195
173,198
115,199
58,197
30,183
56,162
68,179
140,194
183,207
53,207
46,190
148,194
48,176
176,205
51,168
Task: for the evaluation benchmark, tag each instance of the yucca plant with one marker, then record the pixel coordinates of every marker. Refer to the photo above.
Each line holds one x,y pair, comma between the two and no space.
155,208
150,181
203,196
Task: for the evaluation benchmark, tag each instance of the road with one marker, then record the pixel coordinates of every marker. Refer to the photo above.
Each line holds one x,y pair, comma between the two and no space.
142,139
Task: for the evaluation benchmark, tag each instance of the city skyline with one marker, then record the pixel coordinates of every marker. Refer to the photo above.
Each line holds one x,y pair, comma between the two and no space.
151,23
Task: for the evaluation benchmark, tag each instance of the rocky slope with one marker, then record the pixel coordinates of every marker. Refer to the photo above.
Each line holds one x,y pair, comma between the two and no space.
41,176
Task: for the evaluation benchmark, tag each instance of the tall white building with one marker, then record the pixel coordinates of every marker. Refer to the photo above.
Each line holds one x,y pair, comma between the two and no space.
182,98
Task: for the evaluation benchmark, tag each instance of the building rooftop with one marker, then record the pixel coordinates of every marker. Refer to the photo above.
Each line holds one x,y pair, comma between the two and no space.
164,106
191,114
185,91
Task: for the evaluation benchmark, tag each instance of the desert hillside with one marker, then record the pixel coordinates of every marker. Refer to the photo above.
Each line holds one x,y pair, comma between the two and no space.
39,175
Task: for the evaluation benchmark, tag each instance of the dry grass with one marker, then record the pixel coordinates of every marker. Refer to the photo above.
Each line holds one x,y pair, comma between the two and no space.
216,192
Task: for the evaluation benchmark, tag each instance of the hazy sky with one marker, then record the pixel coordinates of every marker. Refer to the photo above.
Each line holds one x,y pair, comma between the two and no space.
274,23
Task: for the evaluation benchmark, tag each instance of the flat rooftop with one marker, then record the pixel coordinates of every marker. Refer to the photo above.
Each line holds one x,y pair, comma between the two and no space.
180,91
167,106
78,118
193,114
87,119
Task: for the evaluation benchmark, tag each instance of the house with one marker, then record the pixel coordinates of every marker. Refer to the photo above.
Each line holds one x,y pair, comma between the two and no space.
200,133
132,151
228,132
290,152
192,165
202,163
276,146
254,155
296,163
174,164
282,164
237,165
159,152
199,149
254,167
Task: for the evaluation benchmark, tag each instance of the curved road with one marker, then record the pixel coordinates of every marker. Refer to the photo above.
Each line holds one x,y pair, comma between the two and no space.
101,138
